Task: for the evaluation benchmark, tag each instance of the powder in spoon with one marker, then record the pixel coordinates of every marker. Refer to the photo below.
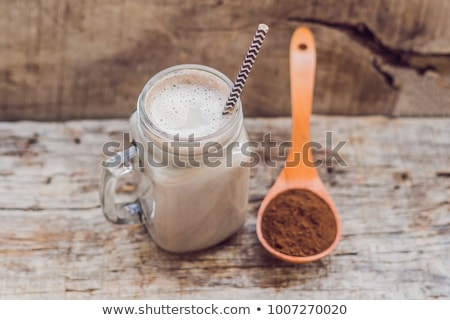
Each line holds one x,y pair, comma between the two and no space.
299,223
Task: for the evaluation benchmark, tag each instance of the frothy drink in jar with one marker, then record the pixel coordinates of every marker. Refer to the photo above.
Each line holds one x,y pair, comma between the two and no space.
190,207
187,103
189,157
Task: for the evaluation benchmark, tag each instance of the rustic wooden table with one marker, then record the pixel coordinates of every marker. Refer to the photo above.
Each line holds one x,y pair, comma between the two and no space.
393,199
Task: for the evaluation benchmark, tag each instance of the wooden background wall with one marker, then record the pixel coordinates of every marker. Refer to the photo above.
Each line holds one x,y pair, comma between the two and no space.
69,59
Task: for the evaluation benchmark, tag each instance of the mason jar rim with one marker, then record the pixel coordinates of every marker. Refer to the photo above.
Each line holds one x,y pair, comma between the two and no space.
149,125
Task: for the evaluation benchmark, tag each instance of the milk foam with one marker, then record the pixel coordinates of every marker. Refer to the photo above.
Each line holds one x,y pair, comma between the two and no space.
188,102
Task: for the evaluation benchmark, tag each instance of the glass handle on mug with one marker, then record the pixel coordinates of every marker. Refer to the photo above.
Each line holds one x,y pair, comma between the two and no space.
113,169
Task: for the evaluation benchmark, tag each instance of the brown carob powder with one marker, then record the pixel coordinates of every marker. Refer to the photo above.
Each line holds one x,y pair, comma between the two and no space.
297,222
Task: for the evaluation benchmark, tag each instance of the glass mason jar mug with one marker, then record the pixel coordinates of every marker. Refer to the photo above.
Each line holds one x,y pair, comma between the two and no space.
187,161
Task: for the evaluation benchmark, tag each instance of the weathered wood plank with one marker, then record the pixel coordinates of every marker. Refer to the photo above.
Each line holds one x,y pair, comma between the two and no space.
74,60
393,199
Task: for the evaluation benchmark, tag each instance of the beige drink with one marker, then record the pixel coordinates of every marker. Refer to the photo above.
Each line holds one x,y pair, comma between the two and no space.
188,102
195,206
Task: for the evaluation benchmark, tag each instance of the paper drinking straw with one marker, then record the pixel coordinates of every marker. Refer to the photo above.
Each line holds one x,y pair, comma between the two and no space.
245,68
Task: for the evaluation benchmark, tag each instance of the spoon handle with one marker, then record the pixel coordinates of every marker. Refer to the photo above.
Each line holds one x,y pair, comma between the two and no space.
302,72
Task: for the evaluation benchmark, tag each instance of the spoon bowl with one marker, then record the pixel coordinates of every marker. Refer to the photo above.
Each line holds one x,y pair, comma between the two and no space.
299,172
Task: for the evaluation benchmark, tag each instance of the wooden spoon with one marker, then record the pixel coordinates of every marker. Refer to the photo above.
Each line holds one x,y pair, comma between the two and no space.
300,176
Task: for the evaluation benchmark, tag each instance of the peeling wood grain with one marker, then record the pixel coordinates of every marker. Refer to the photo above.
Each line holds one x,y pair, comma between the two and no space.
393,201
75,60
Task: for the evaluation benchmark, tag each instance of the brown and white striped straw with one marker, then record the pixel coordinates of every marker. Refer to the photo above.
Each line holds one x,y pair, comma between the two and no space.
245,68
